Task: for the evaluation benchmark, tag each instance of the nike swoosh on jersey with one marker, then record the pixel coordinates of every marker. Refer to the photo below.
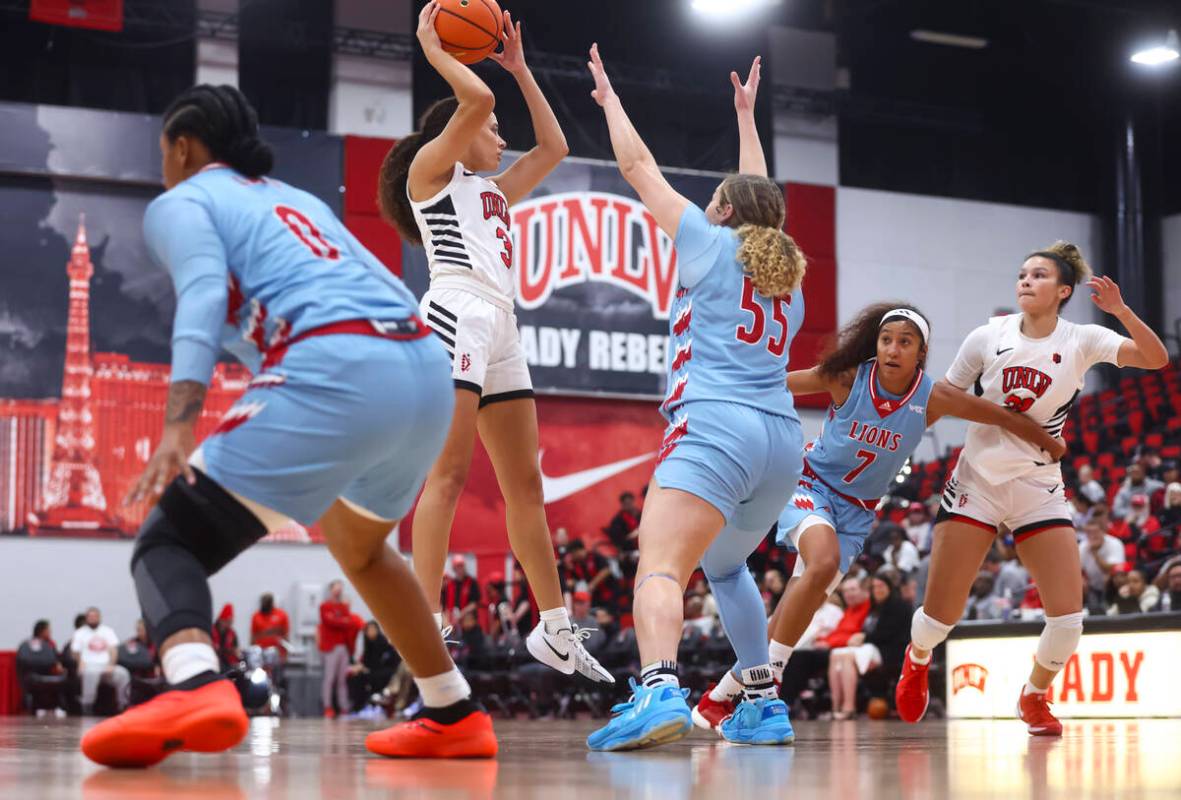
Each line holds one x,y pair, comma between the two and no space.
555,488
1002,352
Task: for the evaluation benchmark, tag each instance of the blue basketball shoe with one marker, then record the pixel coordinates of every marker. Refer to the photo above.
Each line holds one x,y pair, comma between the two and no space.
759,722
652,716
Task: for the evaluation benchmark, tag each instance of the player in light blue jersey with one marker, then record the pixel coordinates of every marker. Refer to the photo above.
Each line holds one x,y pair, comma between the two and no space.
882,403
348,408
732,452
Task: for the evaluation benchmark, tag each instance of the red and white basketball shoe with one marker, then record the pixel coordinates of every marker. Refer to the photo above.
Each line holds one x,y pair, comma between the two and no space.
911,695
1034,710
709,713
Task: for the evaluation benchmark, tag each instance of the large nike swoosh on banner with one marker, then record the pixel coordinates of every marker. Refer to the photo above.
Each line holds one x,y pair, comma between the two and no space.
557,488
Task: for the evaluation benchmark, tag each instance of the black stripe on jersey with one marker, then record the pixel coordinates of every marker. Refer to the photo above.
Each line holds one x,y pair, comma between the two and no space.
443,206
445,237
1064,409
443,225
452,260
442,311
445,339
978,387
449,249
438,323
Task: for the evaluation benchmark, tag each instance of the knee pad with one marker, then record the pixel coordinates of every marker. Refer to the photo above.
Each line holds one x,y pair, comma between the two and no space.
927,632
202,518
1059,640
192,533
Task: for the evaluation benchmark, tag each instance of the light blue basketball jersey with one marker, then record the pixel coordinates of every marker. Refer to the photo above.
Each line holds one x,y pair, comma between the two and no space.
727,342
867,440
256,262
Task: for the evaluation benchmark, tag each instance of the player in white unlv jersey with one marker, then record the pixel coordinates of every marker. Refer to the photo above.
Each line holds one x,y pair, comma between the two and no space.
1033,363
429,189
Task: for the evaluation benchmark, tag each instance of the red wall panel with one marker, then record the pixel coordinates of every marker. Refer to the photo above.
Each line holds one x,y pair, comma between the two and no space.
362,163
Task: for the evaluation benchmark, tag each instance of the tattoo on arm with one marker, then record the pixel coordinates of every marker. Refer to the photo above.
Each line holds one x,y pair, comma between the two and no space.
185,399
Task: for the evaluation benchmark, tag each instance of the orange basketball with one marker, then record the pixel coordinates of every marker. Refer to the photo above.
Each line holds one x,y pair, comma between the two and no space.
469,29
878,708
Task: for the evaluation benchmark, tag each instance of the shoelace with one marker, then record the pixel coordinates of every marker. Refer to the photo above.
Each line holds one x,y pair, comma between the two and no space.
447,631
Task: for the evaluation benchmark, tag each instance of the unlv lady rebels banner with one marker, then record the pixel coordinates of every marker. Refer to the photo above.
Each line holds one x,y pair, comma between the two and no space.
596,276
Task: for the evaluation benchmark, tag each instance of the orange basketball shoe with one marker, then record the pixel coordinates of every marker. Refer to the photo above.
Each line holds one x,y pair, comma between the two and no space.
205,720
1034,710
911,696
422,737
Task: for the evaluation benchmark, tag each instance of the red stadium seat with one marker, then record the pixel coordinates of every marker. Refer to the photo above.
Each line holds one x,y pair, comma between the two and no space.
1155,440
1172,451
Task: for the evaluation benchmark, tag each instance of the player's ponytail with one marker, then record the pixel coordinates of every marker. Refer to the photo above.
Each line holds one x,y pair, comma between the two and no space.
773,260
857,341
392,197
223,119
1073,269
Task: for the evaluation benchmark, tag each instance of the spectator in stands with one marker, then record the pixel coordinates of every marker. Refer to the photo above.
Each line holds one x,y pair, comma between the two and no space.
473,644
41,671
561,539
879,644
1090,488
1011,582
982,602
337,633
96,650
1080,510
824,621
901,555
1137,482
1100,553
1169,585
590,572
773,587
225,638
1138,524
1170,515
805,663
373,673
624,530
461,593
695,619
138,654
881,537
269,626
1153,465
1170,473
1136,596
918,526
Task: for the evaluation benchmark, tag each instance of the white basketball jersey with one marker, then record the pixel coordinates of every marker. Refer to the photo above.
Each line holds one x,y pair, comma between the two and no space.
466,232
1038,377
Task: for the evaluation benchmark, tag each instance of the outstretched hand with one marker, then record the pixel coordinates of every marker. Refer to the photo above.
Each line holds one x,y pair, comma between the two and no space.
428,37
1106,294
744,93
512,57
602,89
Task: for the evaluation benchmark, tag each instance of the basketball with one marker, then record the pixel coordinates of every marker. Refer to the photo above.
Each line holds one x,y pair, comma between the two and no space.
469,29
878,708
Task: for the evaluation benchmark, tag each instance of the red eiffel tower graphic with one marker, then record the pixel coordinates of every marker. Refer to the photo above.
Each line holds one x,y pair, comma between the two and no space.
74,501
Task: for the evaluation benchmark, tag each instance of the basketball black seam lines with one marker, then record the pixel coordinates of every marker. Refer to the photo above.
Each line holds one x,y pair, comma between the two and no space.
491,35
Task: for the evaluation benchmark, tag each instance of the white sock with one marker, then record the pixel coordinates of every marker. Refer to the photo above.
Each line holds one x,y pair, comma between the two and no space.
184,661
780,653
438,615
660,673
555,619
728,688
1031,689
440,691
757,683
916,660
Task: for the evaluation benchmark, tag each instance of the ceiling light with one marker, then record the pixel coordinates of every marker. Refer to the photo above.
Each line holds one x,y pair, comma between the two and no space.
949,39
728,8
1161,54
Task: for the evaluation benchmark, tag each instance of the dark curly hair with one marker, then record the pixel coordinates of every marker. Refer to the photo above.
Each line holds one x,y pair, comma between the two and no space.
395,169
858,340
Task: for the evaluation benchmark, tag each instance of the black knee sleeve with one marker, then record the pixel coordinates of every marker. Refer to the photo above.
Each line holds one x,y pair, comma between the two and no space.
192,533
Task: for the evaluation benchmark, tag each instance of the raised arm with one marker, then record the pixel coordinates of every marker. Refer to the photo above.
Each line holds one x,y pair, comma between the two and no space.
434,162
530,169
636,163
1145,349
948,401
751,159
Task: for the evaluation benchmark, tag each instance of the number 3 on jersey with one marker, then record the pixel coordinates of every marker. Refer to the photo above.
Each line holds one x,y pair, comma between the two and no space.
752,333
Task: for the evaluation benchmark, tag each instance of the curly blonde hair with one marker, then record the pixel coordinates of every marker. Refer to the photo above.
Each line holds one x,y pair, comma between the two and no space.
1073,269
774,261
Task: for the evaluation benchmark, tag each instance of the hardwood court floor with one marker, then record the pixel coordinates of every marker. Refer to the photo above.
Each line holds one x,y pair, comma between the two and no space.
544,759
